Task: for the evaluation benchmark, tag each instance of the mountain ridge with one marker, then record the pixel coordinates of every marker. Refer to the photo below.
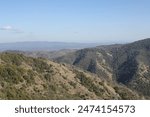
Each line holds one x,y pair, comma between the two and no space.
128,64
119,71
24,77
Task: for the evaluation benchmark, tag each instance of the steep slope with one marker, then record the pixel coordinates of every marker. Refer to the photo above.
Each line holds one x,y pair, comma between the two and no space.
31,78
128,64
132,65
94,60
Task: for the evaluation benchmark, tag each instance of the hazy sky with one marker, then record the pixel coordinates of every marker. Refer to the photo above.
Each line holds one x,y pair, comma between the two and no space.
103,21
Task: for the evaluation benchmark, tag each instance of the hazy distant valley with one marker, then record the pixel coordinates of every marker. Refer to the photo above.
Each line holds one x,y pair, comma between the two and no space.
75,71
44,46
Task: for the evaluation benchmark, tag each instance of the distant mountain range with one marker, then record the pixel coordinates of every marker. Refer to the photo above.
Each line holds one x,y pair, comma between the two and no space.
44,46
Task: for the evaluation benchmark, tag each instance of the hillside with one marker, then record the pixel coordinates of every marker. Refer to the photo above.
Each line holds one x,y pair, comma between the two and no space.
132,65
128,64
95,60
24,77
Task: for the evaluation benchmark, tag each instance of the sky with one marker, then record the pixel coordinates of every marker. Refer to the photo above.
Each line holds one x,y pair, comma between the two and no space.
86,21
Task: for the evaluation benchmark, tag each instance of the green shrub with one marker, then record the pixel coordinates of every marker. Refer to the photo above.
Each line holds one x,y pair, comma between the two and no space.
10,74
12,58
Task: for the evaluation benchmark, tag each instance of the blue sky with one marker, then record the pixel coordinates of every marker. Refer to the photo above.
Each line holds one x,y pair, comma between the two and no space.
102,21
